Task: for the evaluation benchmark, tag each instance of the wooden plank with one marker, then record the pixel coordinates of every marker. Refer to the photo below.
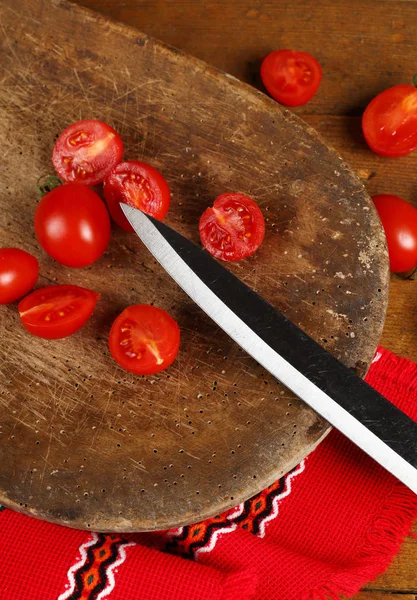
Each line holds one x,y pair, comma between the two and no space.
363,45
400,330
379,174
369,595
401,576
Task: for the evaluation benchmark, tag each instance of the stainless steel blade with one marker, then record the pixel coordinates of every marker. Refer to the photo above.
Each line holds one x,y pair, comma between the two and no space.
374,424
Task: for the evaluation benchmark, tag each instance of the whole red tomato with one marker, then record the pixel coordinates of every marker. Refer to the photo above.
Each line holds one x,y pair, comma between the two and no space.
399,219
19,271
86,152
389,122
291,77
72,225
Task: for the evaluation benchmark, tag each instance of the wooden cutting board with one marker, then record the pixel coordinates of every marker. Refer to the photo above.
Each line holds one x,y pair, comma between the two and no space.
86,444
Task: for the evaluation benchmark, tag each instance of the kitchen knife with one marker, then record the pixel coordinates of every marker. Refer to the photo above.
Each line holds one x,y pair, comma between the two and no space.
300,363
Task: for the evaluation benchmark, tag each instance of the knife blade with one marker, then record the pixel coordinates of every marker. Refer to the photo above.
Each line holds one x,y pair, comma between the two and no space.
330,388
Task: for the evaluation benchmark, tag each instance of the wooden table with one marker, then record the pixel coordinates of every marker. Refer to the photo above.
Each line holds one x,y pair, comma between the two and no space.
363,46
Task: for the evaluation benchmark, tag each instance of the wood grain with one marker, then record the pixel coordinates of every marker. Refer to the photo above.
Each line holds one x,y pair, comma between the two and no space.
88,445
370,595
351,39
401,576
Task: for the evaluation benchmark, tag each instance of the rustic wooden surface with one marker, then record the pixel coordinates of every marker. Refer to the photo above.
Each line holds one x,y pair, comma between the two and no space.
86,444
364,47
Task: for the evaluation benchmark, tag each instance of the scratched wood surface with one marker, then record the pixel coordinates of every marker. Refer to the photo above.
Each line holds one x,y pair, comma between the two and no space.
364,47
84,443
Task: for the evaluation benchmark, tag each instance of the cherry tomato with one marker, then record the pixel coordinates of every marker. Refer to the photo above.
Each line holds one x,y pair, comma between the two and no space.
291,77
233,228
399,219
72,225
57,311
389,122
19,271
144,339
139,185
86,152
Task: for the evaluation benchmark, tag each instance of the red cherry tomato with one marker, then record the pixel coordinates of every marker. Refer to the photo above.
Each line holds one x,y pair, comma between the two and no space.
389,122
144,339
86,152
19,271
233,228
399,219
139,185
291,77
57,311
72,225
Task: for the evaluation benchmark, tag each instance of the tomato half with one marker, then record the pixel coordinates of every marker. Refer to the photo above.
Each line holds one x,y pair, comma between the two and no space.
233,228
389,122
86,152
144,339
19,271
140,185
291,77
57,311
72,225
399,219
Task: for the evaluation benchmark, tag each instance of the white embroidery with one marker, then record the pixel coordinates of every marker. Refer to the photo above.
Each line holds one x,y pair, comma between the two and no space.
213,539
175,532
93,540
237,513
239,510
376,358
111,583
277,499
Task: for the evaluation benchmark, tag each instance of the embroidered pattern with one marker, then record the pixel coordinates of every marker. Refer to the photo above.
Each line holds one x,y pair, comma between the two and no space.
377,357
92,576
252,516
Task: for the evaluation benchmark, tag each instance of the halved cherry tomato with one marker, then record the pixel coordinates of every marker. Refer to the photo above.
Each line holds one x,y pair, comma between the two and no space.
399,219
57,311
233,228
72,225
144,339
86,152
19,271
140,185
291,77
389,122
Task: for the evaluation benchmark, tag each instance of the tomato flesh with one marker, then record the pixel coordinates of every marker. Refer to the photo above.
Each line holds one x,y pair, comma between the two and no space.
140,185
291,77
86,152
399,219
144,339
19,271
57,311
233,228
72,225
389,122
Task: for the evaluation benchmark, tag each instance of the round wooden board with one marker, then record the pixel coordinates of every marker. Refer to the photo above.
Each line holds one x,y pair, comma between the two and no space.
87,445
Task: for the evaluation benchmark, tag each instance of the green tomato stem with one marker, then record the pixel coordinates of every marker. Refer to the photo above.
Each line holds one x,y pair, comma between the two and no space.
47,183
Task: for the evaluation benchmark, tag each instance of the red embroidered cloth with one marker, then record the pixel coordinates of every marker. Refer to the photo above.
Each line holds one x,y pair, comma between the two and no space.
325,529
